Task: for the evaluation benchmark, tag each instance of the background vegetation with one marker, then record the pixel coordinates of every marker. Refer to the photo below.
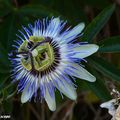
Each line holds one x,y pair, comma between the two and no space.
102,19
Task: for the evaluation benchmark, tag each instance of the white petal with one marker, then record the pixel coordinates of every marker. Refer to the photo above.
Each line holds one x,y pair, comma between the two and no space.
67,89
74,32
52,29
117,113
110,106
26,94
50,101
83,51
82,73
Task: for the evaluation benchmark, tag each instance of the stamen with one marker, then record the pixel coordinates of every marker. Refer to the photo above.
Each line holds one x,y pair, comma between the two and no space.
13,54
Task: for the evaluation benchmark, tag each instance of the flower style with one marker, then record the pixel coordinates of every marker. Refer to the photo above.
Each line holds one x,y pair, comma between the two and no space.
46,57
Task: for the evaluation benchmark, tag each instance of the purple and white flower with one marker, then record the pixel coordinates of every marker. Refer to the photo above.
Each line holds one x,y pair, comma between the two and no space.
47,57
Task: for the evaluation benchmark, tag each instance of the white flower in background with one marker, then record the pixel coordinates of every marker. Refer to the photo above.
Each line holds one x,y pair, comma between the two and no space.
113,108
47,56
110,106
117,113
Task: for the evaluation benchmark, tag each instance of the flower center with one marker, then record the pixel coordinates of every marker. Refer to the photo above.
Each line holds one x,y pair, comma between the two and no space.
37,54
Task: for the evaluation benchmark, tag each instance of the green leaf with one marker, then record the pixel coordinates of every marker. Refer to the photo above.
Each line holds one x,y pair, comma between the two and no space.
8,106
3,12
97,3
4,68
3,79
7,3
4,63
8,30
3,54
100,90
104,67
7,90
37,10
7,34
98,87
5,7
11,31
97,24
111,44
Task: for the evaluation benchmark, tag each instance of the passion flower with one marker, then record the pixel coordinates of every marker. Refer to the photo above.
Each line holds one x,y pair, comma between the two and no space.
47,56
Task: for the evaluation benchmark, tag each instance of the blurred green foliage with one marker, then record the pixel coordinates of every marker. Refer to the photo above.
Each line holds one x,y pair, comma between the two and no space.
15,13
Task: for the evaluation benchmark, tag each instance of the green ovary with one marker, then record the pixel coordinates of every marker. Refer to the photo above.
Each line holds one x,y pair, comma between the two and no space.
43,55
